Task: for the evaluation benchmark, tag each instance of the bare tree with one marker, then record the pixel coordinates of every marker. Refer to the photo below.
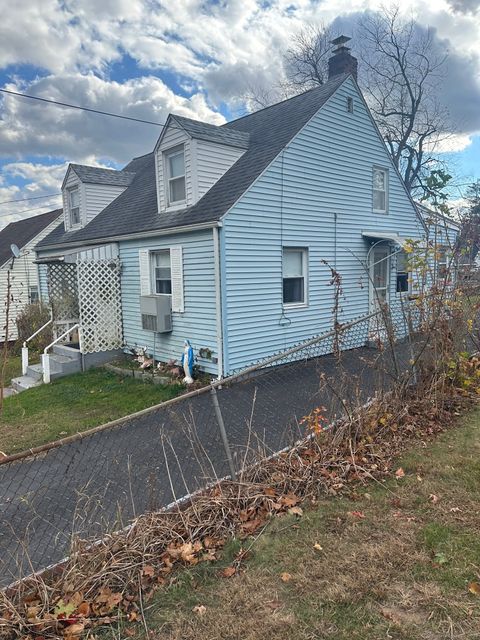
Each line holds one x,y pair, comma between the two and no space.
305,66
401,76
306,60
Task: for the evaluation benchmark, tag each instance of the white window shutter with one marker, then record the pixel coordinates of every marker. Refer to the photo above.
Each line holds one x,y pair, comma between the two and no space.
145,276
176,261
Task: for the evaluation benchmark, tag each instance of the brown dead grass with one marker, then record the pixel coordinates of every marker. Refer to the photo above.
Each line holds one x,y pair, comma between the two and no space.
400,572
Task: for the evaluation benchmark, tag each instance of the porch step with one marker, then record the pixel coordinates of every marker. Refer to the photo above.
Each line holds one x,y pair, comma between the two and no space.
60,365
24,382
68,352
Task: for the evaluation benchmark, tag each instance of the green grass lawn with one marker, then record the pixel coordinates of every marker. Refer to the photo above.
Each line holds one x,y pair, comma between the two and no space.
13,368
74,403
395,561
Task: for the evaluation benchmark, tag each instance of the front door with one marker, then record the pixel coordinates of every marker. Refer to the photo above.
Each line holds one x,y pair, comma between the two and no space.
379,276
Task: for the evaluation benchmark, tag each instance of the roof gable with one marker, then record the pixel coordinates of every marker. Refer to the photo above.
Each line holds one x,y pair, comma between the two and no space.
99,175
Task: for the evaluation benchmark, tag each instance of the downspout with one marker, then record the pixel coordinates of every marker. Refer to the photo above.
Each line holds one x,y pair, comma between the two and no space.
218,300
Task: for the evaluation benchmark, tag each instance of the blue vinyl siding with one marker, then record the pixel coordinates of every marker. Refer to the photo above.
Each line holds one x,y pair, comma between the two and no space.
327,170
197,323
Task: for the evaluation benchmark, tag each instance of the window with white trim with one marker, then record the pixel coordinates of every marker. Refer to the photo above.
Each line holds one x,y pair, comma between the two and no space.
294,272
74,206
404,279
442,261
380,190
33,294
175,174
161,271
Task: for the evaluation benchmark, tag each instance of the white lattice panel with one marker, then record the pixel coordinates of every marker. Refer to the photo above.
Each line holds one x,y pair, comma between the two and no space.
63,291
100,305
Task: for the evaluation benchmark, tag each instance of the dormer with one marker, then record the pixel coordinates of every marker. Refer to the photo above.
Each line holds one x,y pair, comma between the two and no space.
88,190
190,157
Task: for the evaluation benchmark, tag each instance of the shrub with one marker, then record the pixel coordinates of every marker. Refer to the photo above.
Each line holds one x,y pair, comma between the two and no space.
29,320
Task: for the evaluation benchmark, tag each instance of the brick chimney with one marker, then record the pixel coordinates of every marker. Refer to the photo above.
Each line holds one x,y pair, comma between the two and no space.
342,61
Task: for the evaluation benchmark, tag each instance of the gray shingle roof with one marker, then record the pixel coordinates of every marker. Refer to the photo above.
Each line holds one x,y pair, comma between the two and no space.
135,210
213,133
23,231
97,175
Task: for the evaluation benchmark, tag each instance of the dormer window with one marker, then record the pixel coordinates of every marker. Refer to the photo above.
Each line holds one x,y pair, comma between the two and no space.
175,173
74,206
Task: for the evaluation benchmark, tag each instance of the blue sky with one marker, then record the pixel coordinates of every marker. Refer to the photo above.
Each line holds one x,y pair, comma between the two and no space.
192,57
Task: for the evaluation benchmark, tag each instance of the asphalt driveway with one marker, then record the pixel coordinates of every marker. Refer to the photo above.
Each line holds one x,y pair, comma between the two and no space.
101,481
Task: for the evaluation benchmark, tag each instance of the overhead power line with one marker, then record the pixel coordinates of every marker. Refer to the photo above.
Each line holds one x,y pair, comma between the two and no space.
18,213
76,106
49,195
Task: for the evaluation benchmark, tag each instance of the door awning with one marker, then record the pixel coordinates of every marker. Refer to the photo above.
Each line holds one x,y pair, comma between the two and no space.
385,235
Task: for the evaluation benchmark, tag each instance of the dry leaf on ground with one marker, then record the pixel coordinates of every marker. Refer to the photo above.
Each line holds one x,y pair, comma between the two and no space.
200,610
474,587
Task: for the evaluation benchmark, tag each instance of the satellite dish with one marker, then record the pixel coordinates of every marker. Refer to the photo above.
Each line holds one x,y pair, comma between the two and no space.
15,250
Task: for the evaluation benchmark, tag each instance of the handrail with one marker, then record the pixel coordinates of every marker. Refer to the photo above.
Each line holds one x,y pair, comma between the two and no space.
45,356
38,331
64,335
25,348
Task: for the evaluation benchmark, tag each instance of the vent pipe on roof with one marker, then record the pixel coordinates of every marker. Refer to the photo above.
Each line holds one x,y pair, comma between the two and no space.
342,61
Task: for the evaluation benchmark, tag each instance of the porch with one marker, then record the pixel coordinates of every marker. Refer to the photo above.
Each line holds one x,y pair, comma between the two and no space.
86,316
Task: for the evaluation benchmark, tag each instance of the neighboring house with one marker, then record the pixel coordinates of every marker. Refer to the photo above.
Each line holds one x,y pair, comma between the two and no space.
24,273
442,233
234,228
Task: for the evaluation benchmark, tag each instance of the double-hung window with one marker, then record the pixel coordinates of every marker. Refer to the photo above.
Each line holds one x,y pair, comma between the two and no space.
294,276
74,206
380,190
442,262
175,170
162,271
33,295
403,273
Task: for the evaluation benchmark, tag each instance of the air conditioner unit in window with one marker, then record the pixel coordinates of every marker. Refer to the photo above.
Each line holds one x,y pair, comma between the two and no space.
156,313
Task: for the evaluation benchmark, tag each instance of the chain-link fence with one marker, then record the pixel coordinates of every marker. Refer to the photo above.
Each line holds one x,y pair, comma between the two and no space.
97,482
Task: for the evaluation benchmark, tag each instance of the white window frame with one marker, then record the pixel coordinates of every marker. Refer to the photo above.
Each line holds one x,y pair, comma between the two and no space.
442,251
167,154
386,180
70,190
408,272
304,252
33,288
153,265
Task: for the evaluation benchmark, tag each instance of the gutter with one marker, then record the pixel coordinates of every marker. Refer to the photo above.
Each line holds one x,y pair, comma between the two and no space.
130,236
218,300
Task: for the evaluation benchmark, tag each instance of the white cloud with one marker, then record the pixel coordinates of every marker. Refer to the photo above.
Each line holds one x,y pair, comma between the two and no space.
37,179
454,143
215,51
30,128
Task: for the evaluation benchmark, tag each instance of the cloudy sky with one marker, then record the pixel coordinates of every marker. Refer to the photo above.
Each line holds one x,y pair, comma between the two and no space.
146,58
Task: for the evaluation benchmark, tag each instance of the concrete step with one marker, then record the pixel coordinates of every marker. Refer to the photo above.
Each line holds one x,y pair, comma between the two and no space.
35,372
64,365
68,352
60,365
24,382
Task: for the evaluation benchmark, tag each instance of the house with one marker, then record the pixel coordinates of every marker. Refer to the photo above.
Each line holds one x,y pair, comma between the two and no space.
226,235
24,273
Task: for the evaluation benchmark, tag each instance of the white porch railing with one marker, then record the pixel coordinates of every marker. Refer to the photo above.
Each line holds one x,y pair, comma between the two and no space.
25,348
46,355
